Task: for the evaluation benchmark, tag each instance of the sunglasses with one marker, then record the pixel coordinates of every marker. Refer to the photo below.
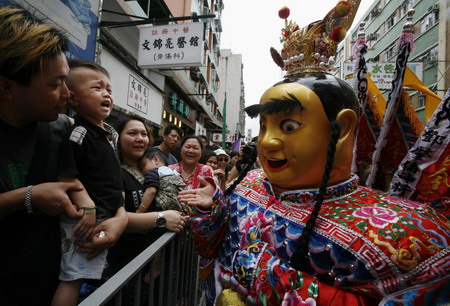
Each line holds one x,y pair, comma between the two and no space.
223,159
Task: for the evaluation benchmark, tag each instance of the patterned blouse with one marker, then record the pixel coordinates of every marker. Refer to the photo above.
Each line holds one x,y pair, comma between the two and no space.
192,181
367,246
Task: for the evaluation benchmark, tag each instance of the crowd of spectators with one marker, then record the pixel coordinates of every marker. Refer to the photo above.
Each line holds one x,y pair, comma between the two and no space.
90,176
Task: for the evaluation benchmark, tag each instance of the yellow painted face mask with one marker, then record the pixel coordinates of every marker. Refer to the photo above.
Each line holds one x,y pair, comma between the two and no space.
295,135
292,144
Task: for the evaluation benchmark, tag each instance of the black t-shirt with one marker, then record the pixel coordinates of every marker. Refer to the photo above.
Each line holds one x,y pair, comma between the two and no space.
88,153
130,244
29,244
133,191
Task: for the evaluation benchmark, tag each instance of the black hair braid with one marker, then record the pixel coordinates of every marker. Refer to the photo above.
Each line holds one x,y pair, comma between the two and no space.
246,166
299,258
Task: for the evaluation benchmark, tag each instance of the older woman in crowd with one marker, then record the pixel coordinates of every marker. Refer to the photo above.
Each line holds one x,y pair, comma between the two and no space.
189,167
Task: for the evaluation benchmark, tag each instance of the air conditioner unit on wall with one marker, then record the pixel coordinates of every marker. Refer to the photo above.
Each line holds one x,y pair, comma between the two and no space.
434,8
371,36
375,12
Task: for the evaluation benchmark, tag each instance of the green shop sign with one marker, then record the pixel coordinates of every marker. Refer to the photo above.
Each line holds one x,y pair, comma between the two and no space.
178,105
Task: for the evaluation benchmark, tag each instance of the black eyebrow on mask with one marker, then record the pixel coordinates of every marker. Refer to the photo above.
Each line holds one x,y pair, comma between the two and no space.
274,106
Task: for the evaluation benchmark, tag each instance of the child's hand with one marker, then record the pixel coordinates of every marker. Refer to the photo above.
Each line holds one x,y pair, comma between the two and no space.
85,226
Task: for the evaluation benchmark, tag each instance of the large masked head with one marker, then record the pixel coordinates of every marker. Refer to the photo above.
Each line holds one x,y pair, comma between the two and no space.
298,118
309,118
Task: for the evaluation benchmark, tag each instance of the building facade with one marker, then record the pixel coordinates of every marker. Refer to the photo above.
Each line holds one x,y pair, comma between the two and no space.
232,84
108,32
384,22
188,92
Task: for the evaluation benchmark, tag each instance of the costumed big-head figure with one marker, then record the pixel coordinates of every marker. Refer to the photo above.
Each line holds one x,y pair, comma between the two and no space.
308,120
302,231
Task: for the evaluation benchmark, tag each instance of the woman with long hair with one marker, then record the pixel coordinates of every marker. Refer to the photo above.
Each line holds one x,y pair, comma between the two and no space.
143,228
209,158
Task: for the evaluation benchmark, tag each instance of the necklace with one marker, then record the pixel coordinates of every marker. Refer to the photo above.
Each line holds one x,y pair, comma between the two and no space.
185,174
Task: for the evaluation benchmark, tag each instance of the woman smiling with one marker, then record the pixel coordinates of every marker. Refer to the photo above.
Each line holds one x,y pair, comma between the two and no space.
189,168
143,228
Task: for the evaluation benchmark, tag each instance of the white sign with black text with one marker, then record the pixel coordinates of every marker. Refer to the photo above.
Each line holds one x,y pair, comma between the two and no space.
171,45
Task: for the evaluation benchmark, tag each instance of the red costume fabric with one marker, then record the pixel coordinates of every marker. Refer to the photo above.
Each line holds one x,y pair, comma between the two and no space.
367,246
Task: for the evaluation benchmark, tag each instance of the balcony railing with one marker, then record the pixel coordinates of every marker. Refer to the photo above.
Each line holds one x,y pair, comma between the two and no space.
178,278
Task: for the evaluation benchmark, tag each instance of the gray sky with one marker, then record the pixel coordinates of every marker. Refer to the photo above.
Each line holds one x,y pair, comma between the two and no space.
251,27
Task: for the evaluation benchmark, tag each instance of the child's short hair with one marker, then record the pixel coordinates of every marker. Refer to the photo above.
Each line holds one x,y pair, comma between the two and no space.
154,151
86,64
83,63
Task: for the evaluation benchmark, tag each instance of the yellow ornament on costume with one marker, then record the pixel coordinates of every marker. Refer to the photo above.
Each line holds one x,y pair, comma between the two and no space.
313,48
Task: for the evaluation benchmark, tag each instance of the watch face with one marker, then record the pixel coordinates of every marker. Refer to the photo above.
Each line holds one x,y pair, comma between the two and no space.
161,221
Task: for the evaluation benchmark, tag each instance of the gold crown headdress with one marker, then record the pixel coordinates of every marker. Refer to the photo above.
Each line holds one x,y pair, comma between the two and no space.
313,48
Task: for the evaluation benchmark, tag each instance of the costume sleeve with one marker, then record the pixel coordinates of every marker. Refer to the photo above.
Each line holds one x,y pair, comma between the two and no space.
209,227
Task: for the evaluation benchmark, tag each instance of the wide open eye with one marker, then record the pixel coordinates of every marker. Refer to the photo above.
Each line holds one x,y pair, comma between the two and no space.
289,125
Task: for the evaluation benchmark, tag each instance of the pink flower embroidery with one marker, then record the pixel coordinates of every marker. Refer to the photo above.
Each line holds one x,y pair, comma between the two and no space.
263,225
252,175
306,197
292,298
378,216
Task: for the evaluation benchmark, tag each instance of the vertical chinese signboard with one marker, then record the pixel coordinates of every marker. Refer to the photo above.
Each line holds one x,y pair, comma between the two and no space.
178,105
137,95
199,129
171,45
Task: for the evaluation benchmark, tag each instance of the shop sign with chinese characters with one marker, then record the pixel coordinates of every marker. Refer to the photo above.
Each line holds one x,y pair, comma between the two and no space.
137,95
380,73
170,46
199,129
217,137
179,105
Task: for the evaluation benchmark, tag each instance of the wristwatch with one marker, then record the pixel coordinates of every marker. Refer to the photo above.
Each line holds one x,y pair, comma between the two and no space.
161,221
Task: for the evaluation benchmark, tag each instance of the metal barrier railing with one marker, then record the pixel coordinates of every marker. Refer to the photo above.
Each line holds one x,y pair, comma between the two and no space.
178,278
